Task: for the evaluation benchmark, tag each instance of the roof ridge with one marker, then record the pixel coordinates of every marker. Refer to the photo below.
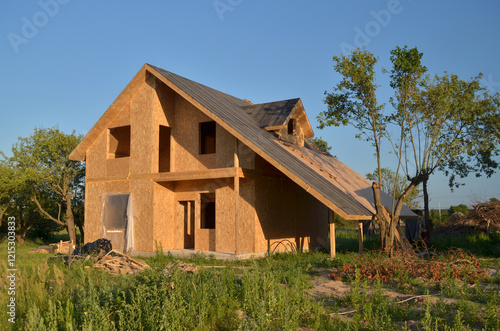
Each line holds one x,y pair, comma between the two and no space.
197,83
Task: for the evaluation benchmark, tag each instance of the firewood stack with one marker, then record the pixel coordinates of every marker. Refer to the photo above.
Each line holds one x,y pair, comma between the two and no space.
118,263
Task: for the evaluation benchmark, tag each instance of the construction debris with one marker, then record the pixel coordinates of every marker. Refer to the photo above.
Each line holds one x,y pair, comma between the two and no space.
483,218
38,251
119,263
184,267
487,214
63,247
99,247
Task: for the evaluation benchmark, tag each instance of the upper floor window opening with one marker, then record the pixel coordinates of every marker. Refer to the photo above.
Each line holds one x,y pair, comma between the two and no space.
291,126
207,137
119,142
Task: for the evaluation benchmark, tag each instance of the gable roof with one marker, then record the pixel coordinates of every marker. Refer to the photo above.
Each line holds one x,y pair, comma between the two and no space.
245,123
273,115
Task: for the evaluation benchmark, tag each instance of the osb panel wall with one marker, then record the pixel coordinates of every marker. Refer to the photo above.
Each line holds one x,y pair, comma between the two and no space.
286,212
186,134
297,137
96,157
164,114
186,149
224,146
178,222
178,226
164,105
264,166
222,238
93,204
142,192
141,135
246,216
123,118
118,168
205,240
312,219
224,219
163,215
246,156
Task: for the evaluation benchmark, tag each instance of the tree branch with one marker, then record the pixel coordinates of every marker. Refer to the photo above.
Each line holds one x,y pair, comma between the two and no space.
43,212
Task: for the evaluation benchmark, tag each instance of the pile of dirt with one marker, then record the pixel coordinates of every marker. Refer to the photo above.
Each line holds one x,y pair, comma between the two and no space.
483,218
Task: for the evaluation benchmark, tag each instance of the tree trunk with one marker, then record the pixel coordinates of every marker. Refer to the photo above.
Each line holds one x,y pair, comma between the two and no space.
70,220
380,216
23,228
405,245
428,222
79,224
2,212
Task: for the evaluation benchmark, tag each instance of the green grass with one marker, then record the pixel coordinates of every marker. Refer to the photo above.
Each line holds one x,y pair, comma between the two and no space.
271,293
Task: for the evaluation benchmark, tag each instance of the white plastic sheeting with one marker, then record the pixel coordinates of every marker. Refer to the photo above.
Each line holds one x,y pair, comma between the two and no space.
118,219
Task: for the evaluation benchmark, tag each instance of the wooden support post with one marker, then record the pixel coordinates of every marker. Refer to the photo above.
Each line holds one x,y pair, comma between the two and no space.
236,198
360,230
331,221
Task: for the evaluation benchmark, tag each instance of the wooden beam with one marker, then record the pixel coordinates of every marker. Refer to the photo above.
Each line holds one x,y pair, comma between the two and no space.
199,174
236,199
274,127
331,221
360,232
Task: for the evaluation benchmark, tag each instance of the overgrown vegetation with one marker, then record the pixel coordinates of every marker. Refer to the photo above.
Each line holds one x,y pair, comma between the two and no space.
40,186
284,291
436,123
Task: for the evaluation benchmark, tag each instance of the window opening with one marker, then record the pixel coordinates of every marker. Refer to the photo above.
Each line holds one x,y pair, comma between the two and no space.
291,126
119,142
207,137
164,149
188,222
208,211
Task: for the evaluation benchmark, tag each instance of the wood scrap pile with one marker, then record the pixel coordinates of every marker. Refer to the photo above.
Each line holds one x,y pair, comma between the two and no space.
119,263
38,251
487,214
483,218
184,267
62,247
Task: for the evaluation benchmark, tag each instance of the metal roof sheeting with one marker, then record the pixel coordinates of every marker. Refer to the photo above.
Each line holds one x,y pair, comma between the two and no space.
232,111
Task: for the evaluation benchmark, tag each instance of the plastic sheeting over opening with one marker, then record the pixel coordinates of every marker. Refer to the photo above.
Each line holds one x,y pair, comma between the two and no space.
118,218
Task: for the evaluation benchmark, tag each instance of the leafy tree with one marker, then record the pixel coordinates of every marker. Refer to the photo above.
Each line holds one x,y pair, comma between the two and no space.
322,144
15,193
457,122
7,186
354,102
435,121
54,180
394,186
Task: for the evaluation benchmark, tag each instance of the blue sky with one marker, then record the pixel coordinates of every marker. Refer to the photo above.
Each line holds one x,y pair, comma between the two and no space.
65,61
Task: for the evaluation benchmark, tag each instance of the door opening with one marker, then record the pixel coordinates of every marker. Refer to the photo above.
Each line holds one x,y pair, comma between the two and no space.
188,223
